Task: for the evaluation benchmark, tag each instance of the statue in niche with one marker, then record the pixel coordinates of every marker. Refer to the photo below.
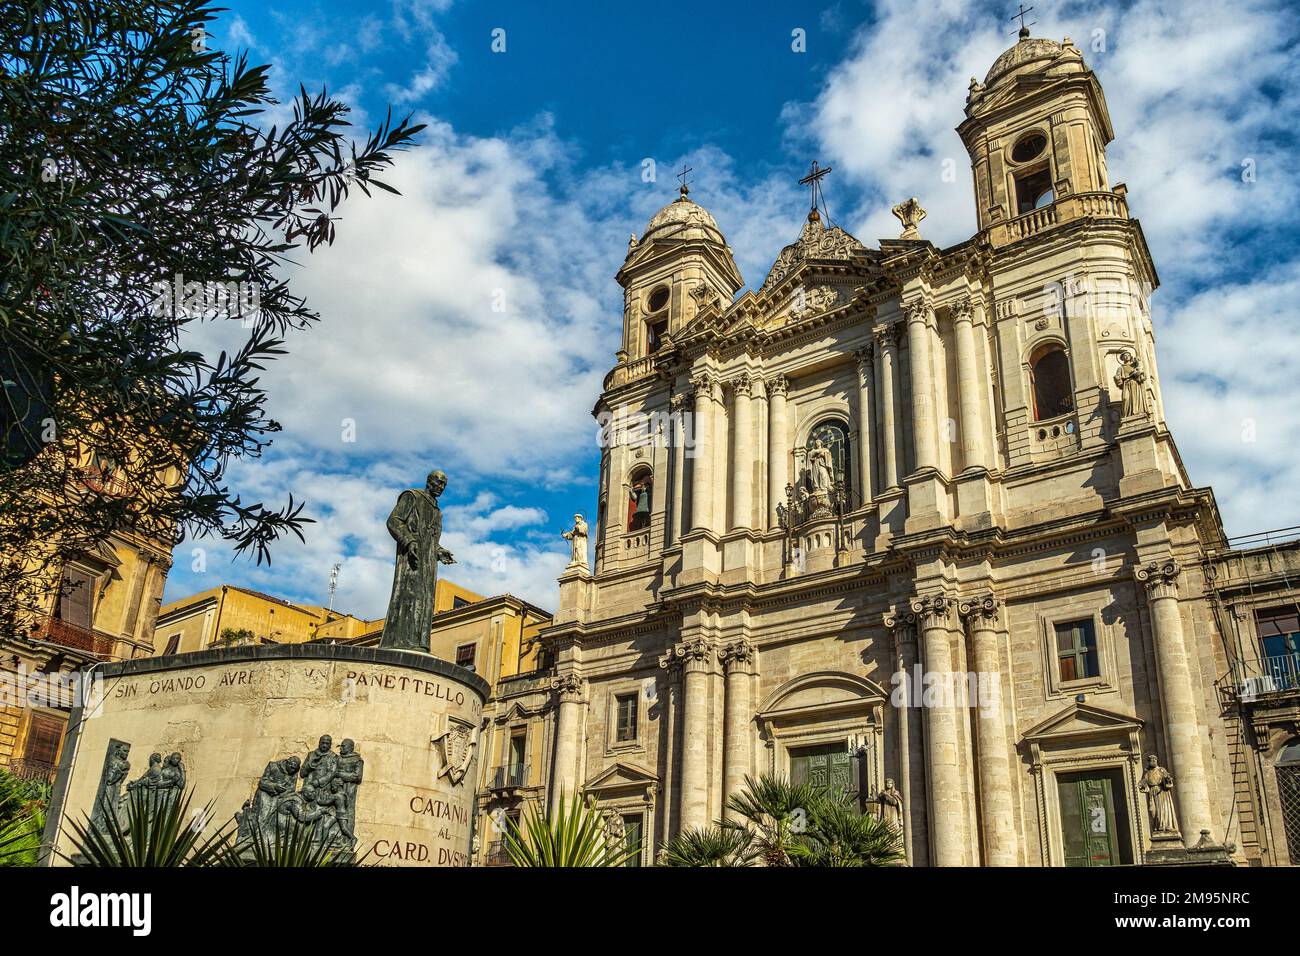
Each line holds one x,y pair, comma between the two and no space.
577,538
1158,784
416,526
320,766
889,805
1130,379
820,467
348,776
108,797
259,814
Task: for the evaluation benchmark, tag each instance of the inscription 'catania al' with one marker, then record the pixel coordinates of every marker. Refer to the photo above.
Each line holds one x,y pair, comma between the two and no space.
889,457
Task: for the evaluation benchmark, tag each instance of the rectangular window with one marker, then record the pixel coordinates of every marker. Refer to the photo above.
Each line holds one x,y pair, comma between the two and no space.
633,830
465,655
75,602
518,751
1076,650
173,644
625,706
44,734
655,332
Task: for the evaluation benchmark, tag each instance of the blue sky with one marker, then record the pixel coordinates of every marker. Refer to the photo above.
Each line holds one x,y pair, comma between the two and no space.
468,324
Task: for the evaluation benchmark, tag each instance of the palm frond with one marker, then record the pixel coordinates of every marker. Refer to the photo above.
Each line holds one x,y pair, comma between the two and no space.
711,846
574,836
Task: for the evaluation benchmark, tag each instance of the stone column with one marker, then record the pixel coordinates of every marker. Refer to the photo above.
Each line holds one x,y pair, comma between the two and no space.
679,407
568,730
997,815
693,657
911,772
672,715
943,767
970,396
737,661
742,455
887,346
702,471
920,344
1183,732
866,413
778,452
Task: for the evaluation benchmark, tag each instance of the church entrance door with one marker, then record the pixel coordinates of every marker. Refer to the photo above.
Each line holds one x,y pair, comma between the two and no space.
1094,823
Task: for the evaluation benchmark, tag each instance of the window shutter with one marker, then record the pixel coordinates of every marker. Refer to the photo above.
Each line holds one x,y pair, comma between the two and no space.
43,736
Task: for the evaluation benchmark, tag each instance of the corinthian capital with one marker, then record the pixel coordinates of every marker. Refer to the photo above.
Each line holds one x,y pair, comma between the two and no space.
864,359
887,335
932,610
743,386
917,310
567,686
1160,577
981,611
777,385
963,310
704,385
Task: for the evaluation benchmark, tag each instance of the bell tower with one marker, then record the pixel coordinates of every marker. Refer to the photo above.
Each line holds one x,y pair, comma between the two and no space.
679,264
1036,130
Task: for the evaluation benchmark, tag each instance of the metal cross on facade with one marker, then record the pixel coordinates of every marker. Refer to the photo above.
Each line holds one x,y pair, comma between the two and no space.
814,181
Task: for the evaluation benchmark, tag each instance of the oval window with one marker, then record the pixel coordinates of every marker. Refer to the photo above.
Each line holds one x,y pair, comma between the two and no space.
1029,148
658,299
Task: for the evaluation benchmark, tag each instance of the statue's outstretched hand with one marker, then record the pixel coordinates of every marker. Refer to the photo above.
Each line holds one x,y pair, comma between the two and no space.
445,556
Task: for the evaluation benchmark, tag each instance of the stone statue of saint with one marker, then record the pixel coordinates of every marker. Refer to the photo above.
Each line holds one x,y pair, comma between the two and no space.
1129,378
820,467
320,766
108,797
416,526
577,538
889,805
1158,784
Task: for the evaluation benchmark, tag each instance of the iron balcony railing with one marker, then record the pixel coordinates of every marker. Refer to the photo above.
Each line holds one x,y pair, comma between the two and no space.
1250,680
511,776
497,854
74,637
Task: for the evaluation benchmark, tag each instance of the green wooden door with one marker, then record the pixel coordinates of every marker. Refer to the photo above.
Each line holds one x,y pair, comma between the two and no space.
1090,829
829,765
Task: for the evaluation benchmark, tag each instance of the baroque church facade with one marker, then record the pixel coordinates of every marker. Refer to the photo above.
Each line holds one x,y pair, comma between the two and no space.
907,518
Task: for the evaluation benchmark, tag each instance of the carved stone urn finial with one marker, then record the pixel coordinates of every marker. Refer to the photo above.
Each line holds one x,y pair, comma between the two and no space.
910,214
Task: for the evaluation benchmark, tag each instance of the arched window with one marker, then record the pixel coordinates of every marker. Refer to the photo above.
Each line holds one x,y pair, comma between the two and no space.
833,435
656,323
640,500
1287,769
1053,396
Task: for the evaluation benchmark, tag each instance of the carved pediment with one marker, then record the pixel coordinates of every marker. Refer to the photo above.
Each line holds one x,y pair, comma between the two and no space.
1083,720
621,776
815,242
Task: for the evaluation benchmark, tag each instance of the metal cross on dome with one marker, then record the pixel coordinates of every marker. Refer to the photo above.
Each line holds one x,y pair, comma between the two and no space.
1024,27
682,176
